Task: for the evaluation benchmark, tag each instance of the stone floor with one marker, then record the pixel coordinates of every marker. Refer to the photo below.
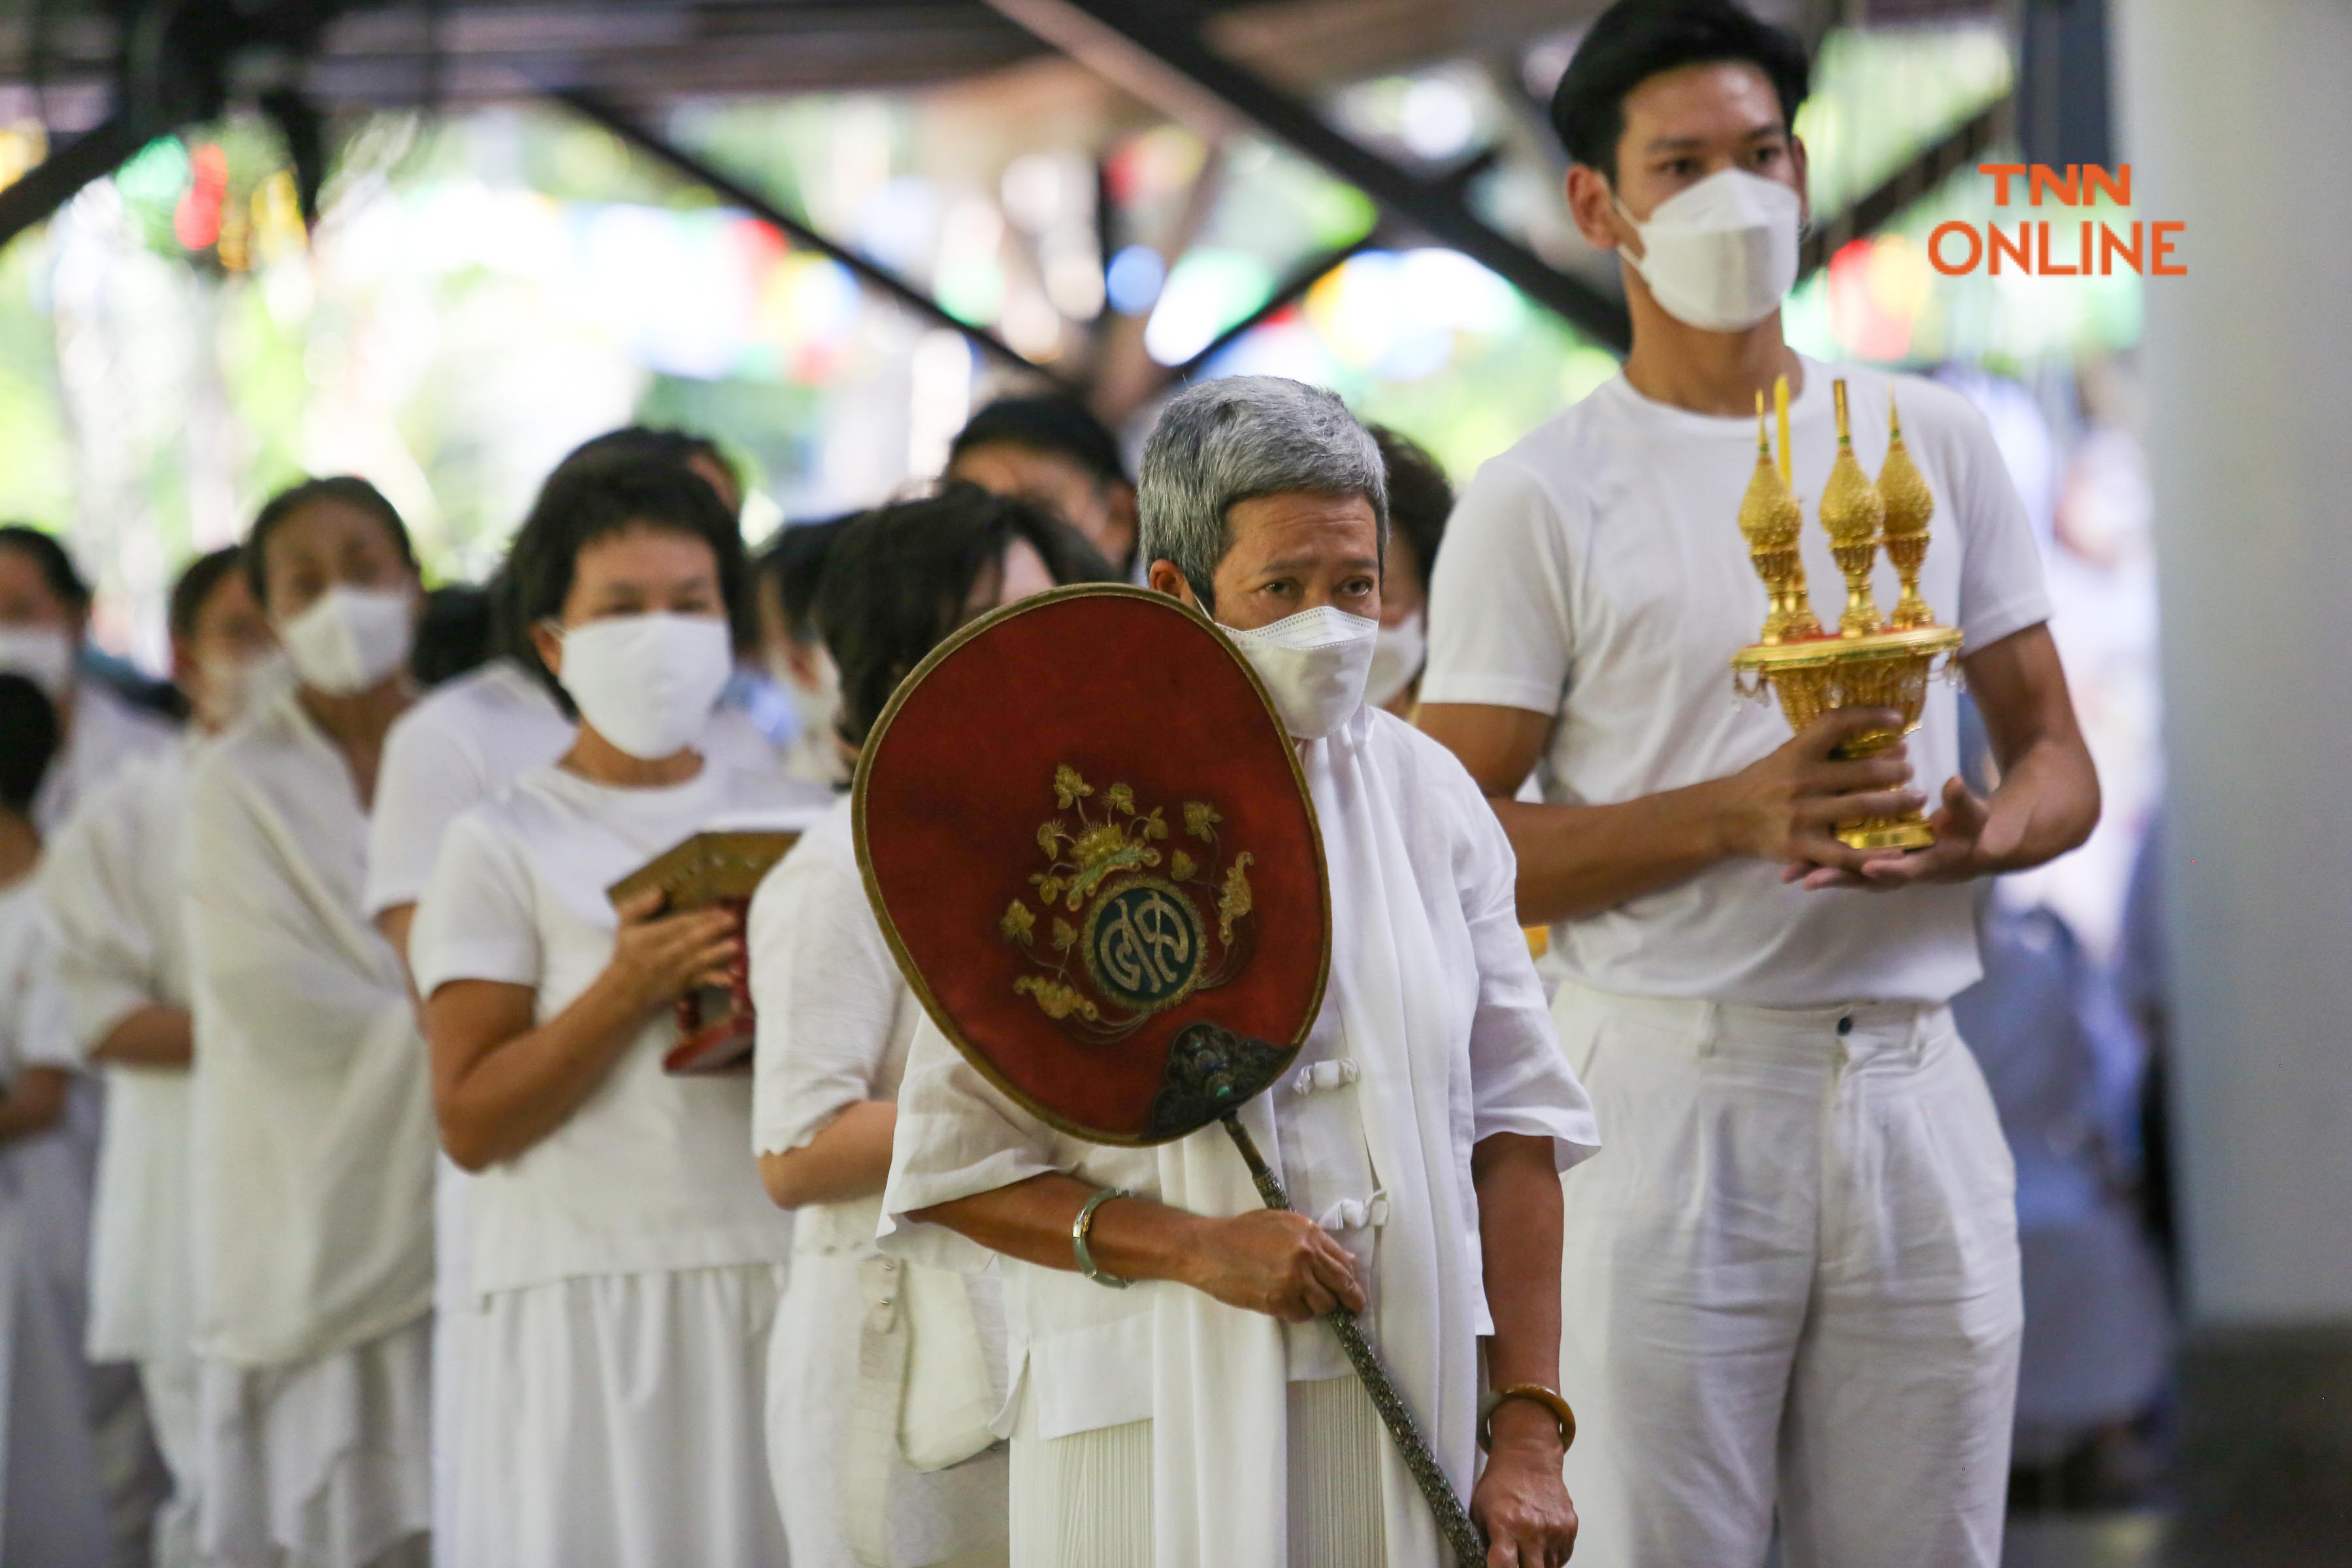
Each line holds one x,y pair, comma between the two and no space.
2085,1541
2149,1539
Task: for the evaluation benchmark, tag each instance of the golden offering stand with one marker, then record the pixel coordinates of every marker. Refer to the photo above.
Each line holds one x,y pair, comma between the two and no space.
1868,662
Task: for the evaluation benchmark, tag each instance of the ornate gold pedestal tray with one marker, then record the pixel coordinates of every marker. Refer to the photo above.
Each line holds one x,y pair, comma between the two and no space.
1868,661
1876,670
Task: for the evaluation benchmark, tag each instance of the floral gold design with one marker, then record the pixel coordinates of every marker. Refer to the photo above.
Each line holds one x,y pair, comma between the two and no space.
1234,898
1139,942
1056,1000
1016,923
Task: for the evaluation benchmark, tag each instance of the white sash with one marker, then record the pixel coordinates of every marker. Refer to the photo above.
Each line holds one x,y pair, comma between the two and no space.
1219,1396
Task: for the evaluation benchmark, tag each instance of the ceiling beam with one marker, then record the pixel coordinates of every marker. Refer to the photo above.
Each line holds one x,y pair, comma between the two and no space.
1920,174
602,111
53,182
1157,52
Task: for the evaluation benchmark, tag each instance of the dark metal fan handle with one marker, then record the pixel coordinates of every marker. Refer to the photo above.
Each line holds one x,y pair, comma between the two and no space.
1453,1518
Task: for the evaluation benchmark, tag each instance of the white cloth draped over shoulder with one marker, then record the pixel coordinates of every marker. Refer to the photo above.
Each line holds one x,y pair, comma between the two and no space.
1435,1001
111,881
313,1134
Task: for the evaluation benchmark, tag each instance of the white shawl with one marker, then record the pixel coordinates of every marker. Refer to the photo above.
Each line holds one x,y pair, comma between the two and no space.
312,1142
1220,1371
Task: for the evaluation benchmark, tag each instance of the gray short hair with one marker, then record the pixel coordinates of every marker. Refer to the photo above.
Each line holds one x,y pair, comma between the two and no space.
1235,439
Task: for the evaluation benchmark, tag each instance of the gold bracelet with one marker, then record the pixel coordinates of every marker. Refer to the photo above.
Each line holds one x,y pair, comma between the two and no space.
1550,1398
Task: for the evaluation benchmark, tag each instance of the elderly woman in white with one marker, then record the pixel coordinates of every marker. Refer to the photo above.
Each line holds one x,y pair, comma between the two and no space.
1203,1417
884,1379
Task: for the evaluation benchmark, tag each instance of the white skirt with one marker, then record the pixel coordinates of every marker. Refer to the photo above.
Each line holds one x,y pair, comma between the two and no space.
615,1422
952,1516
1085,1500
321,1465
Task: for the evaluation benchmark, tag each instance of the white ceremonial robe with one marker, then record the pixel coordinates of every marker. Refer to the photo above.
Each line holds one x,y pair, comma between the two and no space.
111,883
1433,1036
835,1019
312,1148
53,1504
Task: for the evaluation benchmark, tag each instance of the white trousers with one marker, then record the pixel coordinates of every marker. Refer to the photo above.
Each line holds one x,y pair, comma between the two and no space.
1085,1500
1790,1283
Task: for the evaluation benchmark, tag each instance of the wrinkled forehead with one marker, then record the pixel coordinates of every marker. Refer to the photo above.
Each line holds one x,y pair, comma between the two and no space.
1300,529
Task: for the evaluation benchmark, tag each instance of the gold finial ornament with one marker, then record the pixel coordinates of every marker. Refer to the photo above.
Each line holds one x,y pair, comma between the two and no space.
1869,663
1909,506
1771,520
1852,513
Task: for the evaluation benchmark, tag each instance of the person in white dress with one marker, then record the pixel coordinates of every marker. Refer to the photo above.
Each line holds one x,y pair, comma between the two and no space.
1203,1416
311,1140
627,1265
835,1018
111,884
462,742
53,1498
44,626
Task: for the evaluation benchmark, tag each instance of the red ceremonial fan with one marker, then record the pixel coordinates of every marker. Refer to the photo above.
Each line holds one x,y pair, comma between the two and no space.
1084,832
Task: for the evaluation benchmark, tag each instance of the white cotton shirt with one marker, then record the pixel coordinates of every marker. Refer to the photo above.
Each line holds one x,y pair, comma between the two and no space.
108,731
111,882
835,1015
1496,1060
465,739
33,1027
652,1172
1596,572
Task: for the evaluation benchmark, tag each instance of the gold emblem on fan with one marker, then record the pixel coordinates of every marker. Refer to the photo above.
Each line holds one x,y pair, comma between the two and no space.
1134,922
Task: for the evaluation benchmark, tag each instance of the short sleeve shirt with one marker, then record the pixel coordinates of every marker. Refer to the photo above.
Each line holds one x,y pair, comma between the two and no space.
1595,573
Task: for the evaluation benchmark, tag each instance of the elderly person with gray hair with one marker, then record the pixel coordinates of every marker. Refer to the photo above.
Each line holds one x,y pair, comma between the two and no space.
1203,1417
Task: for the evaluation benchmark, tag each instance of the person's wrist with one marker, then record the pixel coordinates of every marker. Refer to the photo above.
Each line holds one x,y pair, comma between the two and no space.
1726,825
1189,1254
1522,1430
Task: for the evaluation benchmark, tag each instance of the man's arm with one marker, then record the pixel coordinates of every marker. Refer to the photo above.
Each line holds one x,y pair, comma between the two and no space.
2047,799
1520,1500
1577,861
1268,1260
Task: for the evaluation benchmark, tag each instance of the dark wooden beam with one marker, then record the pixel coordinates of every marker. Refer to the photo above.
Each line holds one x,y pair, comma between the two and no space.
603,112
1157,51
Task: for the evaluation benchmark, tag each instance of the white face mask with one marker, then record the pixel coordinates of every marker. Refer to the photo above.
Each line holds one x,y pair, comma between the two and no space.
1720,255
233,688
351,639
1397,658
42,655
648,683
1313,665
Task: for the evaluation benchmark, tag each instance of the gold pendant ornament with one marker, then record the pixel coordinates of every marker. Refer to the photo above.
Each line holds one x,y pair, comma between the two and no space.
1869,661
